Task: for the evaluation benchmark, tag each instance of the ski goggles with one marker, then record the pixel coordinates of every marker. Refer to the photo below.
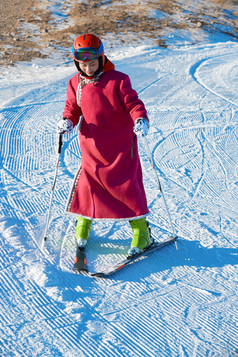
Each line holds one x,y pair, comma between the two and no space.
89,53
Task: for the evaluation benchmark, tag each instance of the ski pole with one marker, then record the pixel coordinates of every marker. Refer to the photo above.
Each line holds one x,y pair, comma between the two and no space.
160,188
52,192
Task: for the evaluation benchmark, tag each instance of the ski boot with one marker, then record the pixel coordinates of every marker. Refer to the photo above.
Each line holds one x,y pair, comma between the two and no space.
82,231
141,236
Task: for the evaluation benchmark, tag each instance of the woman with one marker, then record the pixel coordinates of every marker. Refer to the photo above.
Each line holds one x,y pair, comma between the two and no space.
108,184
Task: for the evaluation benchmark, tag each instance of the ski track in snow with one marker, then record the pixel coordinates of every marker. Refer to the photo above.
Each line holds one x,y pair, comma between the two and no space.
175,303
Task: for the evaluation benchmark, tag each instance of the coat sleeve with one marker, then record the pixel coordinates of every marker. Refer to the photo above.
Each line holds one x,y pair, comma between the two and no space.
71,110
129,97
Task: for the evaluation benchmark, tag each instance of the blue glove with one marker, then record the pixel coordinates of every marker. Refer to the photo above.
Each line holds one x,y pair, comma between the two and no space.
64,126
141,127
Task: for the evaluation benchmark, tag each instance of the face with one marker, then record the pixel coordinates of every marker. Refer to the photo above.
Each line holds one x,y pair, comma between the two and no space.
89,67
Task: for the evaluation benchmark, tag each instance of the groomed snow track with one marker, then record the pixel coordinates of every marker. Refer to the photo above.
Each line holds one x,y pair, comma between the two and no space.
175,303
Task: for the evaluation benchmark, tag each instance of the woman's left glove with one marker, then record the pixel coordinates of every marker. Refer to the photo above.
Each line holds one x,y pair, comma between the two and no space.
64,126
141,127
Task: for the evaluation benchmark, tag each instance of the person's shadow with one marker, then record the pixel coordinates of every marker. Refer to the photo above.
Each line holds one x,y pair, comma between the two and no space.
189,254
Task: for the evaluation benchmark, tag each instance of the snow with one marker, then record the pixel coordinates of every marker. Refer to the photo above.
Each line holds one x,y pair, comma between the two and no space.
174,303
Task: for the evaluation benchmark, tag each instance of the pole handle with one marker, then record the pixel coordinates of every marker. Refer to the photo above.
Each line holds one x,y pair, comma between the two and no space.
60,143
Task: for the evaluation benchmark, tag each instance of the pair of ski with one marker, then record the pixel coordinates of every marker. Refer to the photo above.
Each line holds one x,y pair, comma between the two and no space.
80,264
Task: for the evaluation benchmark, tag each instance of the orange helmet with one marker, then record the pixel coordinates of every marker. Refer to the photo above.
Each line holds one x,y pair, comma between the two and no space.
87,47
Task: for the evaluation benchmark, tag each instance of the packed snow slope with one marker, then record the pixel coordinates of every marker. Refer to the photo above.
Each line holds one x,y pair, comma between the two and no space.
174,303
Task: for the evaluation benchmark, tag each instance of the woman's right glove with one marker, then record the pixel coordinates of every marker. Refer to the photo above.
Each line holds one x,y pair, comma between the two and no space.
141,127
64,126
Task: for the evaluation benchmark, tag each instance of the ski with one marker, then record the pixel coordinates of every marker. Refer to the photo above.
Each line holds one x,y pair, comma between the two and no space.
80,263
129,260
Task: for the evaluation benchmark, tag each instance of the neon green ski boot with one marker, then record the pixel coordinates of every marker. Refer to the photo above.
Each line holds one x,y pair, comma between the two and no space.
141,236
82,231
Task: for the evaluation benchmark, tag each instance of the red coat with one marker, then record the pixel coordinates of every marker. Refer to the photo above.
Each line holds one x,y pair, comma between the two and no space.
108,183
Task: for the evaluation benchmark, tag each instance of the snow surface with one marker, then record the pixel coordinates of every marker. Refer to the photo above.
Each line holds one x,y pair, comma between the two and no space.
174,303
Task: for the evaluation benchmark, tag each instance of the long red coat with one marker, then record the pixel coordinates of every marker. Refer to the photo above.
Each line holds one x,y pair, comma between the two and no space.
108,183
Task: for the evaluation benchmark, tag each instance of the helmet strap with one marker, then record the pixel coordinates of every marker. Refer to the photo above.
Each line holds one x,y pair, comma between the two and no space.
99,70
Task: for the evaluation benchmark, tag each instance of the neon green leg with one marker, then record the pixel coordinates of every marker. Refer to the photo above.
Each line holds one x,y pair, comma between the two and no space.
83,229
141,233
